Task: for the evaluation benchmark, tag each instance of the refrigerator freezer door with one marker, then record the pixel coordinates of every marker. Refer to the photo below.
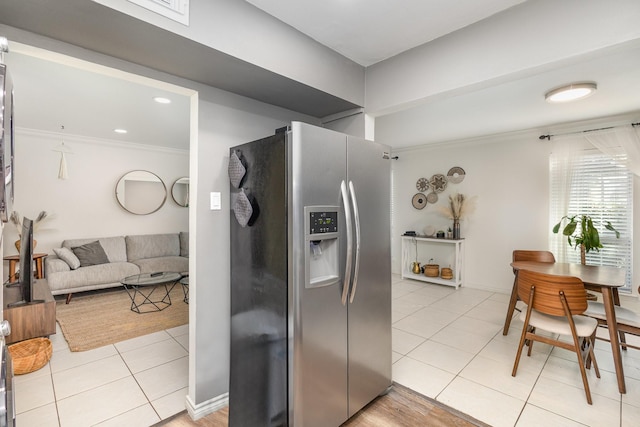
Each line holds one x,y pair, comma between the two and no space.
317,318
370,311
259,262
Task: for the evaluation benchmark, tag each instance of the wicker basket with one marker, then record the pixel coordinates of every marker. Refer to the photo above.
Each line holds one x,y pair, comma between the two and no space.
432,270
446,273
30,355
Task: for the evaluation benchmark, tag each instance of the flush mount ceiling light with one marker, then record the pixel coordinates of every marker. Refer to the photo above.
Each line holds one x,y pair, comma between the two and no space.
571,92
120,130
162,100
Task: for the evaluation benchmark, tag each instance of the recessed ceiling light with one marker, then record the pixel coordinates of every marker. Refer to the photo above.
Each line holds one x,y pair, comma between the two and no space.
120,130
571,92
162,100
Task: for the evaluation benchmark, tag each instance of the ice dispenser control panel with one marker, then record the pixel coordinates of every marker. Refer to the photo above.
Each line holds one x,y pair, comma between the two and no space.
323,222
322,246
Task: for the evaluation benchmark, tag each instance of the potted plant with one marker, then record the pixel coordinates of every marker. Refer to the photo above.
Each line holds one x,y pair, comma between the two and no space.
581,232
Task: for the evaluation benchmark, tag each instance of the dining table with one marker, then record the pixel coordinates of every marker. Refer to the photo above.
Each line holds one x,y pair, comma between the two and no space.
603,279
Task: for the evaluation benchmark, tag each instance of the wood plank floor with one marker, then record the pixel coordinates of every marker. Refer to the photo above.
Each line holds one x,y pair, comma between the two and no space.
399,408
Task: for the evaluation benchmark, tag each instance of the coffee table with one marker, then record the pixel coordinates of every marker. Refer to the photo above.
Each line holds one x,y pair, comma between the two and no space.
143,288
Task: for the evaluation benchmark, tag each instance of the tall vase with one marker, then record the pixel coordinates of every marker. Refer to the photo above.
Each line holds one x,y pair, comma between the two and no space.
456,228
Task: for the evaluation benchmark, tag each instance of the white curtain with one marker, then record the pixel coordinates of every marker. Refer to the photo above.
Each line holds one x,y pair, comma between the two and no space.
568,157
565,150
616,141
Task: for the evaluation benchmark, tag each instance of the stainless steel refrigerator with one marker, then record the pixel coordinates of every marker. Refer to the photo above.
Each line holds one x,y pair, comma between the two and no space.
310,278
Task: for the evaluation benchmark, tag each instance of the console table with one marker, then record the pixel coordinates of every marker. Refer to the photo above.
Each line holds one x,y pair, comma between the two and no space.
30,320
441,250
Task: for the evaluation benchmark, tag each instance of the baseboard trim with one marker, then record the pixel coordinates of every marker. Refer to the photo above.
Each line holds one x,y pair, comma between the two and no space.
207,407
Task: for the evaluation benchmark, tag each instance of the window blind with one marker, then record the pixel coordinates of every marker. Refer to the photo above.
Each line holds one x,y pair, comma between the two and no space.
594,184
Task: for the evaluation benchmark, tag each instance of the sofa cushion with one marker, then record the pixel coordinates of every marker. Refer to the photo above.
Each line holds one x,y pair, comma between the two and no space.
67,256
85,278
114,247
184,243
91,254
176,264
152,246
53,264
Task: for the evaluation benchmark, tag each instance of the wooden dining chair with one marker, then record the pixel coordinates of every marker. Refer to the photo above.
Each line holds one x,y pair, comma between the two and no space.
555,304
523,255
628,321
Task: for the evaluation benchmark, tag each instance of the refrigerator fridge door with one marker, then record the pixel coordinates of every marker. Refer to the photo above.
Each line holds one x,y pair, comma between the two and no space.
317,317
369,177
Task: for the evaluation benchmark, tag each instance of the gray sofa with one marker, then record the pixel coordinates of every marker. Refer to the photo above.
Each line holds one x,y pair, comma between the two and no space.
127,255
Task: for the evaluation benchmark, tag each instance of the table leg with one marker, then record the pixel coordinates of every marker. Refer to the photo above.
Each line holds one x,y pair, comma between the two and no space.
141,296
39,269
12,269
608,301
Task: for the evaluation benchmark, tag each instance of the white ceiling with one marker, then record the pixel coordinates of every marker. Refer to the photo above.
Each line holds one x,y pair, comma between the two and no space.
520,105
50,92
369,31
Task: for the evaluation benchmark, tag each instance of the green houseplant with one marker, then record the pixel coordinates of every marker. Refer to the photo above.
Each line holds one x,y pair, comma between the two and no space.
581,232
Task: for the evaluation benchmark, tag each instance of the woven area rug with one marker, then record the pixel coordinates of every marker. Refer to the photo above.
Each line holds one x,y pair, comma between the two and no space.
94,320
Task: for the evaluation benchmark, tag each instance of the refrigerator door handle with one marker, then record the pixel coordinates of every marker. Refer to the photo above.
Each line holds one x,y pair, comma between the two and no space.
349,233
356,219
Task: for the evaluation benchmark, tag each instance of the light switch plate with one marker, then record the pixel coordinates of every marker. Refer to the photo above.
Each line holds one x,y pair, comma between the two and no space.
215,201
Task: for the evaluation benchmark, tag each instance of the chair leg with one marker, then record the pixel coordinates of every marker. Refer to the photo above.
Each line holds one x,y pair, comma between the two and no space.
623,340
523,337
583,371
530,342
592,343
592,358
512,306
68,300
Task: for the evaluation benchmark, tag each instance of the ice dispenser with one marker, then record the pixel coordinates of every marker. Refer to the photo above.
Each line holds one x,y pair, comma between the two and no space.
322,248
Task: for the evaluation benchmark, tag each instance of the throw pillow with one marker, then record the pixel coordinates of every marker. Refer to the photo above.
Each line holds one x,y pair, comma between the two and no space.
91,254
67,256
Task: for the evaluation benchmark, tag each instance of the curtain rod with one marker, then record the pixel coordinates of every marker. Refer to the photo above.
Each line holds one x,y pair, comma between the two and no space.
548,137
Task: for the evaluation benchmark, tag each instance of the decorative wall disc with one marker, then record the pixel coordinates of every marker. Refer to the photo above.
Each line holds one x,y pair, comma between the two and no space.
419,201
456,174
438,183
422,185
432,198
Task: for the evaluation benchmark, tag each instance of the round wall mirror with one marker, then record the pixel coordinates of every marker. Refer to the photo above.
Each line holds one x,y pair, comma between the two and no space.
180,192
141,192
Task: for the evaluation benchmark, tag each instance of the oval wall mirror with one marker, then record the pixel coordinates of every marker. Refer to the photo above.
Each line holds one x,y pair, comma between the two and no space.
180,191
141,192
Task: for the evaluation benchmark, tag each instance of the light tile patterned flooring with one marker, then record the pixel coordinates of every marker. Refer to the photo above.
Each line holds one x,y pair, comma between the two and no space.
137,382
448,345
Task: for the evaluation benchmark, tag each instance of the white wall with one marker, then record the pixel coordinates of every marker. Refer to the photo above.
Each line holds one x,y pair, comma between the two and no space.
85,205
509,174
509,177
223,121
